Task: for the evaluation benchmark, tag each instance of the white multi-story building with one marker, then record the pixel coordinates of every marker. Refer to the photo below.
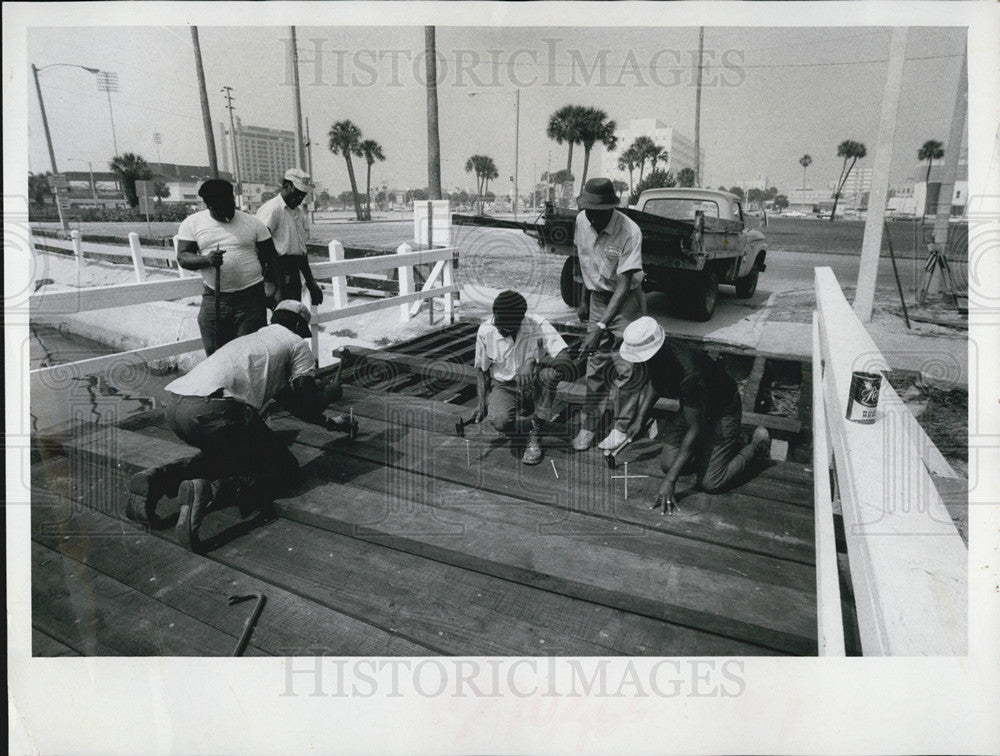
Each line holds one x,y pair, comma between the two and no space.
680,149
264,154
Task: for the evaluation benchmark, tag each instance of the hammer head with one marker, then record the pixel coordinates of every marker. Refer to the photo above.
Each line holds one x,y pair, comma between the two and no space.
460,429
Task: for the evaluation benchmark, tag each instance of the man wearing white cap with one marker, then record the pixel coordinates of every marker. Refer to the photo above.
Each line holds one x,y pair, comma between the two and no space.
286,220
704,437
216,408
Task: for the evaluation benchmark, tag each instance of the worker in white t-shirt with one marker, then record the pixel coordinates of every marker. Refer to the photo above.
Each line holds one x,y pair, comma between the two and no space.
236,247
216,407
286,220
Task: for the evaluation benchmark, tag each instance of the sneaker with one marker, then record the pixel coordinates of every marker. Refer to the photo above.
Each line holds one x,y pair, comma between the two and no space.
196,496
533,452
761,442
151,484
584,439
613,440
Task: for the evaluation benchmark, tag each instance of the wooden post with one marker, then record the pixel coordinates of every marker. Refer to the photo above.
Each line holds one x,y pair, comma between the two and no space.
829,617
447,278
871,247
77,249
405,283
140,269
336,251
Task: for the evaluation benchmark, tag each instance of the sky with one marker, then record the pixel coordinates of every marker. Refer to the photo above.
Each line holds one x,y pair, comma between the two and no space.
770,95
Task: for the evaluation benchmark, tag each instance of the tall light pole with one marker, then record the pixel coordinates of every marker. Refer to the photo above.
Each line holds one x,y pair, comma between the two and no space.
35,70
158,140
107,81
697,110
232,133
206,115
300,150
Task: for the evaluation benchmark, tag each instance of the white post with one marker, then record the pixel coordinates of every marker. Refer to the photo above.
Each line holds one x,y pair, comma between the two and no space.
405,283
871,247
336,250
77,249
140,269
447,279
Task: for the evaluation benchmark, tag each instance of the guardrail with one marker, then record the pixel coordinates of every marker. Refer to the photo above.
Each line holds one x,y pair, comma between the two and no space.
439,284
908,564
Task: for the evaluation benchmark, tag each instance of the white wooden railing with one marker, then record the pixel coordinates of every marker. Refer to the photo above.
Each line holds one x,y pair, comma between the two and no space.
908,564
439,284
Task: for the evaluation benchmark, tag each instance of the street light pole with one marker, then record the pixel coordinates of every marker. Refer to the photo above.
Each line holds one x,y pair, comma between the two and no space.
517,142
48,141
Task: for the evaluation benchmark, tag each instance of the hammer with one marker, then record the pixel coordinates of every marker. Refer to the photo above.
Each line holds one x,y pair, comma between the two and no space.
248,626
462,422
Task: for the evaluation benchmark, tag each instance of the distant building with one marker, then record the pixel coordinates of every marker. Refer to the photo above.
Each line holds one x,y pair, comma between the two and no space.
182,182
680,149
809,200
264,154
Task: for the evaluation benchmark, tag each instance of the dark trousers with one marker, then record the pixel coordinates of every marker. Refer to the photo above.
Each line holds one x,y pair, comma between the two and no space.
289,268
606,368
507,401
240,312
720,456
244,459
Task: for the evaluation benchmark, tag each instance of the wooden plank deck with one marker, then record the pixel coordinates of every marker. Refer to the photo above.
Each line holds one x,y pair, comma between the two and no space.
411,541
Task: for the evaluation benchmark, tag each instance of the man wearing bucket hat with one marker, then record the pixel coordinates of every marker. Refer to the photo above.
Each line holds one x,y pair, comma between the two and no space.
609,247
234,253
216,408
704,437
285,219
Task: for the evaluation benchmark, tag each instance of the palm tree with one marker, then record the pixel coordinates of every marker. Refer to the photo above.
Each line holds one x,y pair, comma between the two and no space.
805,161
849,150
626,162
685,177
345,139
930,151
485,170
595,127
643,147
656,154
564,126
371,151
131,168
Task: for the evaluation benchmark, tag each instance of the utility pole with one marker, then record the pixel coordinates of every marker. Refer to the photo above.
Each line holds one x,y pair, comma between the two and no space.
309,159
697,110
48,141
158,140
300,148
206,115
232,132
517,142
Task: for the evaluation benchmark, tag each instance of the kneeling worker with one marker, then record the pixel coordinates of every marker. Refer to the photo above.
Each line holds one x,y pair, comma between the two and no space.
216,408
520,360
704,437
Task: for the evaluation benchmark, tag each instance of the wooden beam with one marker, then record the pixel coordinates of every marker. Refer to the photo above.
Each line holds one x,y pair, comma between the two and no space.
103,363
118,295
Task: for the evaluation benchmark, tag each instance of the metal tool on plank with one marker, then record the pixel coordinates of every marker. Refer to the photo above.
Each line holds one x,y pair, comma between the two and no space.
251,622
461,423
610,456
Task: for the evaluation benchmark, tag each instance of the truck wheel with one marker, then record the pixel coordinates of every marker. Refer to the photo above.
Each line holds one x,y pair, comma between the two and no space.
746,286
704,292
569,287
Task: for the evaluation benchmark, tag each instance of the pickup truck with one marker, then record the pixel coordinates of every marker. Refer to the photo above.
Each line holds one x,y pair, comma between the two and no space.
692,240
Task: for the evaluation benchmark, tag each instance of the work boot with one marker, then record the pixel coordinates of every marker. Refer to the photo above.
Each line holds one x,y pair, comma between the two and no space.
153,484
761,442
533,451
584,439
196,497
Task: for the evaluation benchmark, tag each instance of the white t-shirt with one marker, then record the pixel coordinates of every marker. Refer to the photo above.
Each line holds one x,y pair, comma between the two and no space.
252,368
503,356
287,226
238,238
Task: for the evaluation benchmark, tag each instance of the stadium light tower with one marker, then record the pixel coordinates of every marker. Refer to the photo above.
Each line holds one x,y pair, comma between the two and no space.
107,81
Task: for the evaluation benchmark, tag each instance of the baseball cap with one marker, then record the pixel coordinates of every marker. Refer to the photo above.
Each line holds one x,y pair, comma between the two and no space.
295,307
300,180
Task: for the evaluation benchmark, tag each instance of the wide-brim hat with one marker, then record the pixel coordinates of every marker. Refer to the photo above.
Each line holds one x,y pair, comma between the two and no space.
642,339
300,180
598,194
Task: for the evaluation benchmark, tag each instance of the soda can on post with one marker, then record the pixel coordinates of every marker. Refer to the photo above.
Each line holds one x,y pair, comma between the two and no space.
863,400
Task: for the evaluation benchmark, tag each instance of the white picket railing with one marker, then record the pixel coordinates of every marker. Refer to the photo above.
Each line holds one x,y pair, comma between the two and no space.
121,295
908,564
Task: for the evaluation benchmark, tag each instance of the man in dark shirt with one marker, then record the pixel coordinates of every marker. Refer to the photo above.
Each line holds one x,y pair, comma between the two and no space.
704,437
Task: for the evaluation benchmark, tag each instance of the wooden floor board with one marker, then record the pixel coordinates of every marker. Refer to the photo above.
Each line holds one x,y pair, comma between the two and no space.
44,645
97,615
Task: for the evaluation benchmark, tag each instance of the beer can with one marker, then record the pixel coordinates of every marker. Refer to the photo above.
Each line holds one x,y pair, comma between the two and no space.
863,401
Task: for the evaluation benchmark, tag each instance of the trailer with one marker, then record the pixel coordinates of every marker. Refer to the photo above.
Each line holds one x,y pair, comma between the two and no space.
692,241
